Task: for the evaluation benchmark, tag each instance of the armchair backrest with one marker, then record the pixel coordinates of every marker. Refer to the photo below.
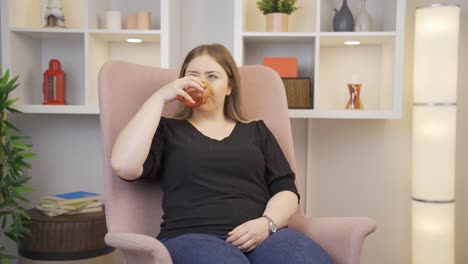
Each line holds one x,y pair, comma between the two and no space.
124,87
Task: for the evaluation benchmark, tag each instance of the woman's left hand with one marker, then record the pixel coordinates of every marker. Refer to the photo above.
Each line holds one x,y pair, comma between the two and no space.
249,235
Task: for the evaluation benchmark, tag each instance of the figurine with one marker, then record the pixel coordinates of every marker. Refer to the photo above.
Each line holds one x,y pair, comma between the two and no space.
54,14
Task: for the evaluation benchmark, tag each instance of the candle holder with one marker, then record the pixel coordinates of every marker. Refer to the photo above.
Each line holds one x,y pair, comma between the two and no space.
354,101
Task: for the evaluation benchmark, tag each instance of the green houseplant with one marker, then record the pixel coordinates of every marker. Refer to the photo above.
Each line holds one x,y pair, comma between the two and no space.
277,13
13,155
277,6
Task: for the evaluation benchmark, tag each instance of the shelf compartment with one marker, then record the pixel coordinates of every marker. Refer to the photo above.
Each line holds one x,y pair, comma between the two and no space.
31,52
372,63
303,20
256,48
382,12
103,48
97,11
30,13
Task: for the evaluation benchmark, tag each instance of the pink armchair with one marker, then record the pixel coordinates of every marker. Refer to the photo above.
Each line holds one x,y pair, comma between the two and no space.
133,210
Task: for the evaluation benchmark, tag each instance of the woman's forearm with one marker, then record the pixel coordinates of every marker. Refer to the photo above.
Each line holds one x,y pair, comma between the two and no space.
281,207
132,146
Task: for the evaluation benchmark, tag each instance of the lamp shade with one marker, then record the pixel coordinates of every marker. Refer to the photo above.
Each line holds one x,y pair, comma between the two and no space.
434,153
433,233
436,53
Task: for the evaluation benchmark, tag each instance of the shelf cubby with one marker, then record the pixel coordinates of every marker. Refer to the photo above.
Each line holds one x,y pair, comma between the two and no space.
382,12
97,11
104,46
31,13
31,53
256,48
371,63
303,19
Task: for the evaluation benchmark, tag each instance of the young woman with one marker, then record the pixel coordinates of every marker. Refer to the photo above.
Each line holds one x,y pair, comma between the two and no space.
229,191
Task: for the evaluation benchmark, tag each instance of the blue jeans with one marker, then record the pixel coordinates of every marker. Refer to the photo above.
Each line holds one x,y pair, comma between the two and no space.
285,246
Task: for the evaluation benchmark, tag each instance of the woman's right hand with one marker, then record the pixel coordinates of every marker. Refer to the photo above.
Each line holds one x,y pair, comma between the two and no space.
169,92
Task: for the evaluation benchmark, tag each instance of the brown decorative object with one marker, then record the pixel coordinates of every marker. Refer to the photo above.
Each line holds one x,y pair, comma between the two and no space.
298,92
277,22
143,20
354,101
63,238
131,22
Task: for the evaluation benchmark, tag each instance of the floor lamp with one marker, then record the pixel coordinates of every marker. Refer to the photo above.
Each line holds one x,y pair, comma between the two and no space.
434,123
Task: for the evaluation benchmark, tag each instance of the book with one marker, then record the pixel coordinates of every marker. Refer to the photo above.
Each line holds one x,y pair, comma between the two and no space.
70,198
72,206
60,211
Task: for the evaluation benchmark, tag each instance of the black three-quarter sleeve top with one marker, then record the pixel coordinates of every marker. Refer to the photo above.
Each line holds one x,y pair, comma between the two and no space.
212,186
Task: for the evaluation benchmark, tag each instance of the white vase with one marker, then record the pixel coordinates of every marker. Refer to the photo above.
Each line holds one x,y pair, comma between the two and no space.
363,21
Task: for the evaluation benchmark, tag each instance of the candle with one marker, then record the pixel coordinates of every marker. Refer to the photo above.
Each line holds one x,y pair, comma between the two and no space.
143,20
131,22
113,20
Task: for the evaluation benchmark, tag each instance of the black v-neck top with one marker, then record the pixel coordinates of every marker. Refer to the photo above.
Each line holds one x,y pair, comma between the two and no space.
212,186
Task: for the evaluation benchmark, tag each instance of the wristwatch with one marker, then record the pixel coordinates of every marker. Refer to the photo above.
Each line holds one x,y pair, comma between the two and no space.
271,225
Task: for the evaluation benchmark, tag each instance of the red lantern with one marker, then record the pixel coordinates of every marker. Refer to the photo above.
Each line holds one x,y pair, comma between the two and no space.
54,84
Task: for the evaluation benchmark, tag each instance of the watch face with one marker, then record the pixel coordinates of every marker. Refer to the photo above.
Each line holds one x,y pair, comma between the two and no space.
273,228
271,225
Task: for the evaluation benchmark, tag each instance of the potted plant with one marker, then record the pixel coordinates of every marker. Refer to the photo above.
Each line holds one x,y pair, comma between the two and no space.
13,155
277,12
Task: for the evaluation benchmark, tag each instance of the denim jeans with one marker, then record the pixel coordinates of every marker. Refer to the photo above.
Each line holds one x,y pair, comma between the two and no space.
284,246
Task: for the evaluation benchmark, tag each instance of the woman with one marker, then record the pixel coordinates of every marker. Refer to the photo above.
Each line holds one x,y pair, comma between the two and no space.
229,191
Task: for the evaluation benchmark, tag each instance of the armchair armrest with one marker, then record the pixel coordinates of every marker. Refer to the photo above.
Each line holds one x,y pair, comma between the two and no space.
139,248
341,237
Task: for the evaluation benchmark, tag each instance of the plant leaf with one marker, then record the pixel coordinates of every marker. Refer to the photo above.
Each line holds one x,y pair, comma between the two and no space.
20,146
11,126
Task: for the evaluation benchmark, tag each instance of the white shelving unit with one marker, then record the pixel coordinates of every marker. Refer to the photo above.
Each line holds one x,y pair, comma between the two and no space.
85,45
82,48
322,55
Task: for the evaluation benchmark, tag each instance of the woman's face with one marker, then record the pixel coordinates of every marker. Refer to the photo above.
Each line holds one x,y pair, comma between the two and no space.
206,68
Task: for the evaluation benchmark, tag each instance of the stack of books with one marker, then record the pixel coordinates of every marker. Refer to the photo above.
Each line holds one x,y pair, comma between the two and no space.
70,203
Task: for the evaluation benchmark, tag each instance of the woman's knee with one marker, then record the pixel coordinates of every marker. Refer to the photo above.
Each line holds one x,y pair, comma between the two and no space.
289,246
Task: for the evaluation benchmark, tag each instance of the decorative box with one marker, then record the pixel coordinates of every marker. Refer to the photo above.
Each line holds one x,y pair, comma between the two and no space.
299,92
286,67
